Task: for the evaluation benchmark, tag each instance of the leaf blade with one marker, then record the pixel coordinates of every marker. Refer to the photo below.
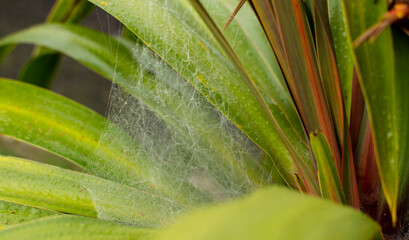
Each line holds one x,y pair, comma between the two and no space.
56,189
275,213
330,182
379,87
343,51
12,213
42,67
73,227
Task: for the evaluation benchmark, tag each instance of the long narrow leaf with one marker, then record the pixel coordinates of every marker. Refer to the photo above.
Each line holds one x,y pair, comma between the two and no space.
330,182
287,28
328,68
342,50
74,227
375,64
401,47
12,213
47,188
46,120
332,88
367,171
42,66
52,188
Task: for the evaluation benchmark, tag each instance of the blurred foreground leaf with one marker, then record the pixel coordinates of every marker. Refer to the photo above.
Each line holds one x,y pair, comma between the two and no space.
275,213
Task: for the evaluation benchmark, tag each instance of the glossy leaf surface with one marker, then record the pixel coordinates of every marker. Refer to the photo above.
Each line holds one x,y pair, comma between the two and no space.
343,51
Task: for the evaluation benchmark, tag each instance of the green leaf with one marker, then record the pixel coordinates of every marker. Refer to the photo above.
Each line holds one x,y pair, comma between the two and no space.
56,189
12,213
375,64
70,11
36,73
342,50
401,47
197,56
73,227
43,65
44,187
5,50
329,179
275,213
61,126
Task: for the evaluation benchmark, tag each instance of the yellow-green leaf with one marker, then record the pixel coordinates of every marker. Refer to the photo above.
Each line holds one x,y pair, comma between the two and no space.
271,214
73,227
56,189
13,213
330,182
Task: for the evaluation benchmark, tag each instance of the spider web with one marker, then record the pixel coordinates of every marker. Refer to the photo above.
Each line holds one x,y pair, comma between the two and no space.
185,149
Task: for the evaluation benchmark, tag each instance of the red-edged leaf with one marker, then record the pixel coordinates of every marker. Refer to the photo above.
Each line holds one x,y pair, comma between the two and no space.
332,89
301,165
367,171
357,110
289,34
375,64
330,183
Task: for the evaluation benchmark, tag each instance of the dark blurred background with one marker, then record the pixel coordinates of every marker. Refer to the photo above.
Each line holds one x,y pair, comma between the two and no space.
72,80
